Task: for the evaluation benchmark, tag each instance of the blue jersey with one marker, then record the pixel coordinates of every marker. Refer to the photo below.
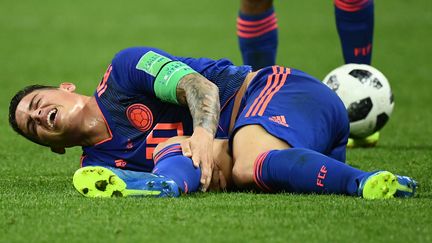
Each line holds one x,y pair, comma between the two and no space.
138,121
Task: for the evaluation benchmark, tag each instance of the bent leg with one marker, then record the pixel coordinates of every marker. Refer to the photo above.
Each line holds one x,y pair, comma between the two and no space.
249,142
265,162
302,170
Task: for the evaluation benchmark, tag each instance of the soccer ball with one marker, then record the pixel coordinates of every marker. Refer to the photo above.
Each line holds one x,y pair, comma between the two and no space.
366,94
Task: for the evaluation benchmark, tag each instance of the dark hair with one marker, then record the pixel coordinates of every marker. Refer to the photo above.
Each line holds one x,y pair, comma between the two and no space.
14,103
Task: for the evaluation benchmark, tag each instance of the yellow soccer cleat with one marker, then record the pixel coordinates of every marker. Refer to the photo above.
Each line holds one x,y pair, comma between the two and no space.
367,142
98,181
385,185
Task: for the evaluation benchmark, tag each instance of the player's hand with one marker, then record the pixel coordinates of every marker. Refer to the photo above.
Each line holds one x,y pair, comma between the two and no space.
218,181
200,148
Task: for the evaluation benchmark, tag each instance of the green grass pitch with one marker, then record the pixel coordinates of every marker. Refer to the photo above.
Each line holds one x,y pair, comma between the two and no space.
49,42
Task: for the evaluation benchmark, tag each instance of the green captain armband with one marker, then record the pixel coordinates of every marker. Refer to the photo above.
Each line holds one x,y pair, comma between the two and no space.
167,74
165,85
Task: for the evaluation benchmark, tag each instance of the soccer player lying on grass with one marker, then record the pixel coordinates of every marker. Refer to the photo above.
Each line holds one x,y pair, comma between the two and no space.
287,130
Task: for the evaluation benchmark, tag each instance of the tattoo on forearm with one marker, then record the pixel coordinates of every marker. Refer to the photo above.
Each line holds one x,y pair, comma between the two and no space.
202,98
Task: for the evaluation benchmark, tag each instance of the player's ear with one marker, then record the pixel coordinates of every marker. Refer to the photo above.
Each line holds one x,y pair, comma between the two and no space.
70,87
58,150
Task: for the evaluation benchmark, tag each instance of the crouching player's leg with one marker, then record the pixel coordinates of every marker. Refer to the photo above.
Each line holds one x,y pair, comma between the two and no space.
173,175
355,26
257,33
293,139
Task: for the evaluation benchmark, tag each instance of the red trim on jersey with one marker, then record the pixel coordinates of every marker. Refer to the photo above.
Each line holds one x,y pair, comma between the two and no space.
229,99
103,85
108,127
103,90
82,160
225,105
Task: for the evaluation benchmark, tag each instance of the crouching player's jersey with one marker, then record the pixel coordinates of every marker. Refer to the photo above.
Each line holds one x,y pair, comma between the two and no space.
139,106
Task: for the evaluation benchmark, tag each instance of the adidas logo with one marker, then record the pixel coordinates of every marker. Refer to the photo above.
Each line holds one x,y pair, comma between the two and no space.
279,120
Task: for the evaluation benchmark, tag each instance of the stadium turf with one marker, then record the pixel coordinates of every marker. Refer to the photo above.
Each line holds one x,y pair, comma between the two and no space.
48,42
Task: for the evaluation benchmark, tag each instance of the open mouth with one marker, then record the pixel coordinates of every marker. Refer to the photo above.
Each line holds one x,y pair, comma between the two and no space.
51,117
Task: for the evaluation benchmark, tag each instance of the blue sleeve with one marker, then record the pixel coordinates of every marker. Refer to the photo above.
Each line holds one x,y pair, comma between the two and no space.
87,161
128,77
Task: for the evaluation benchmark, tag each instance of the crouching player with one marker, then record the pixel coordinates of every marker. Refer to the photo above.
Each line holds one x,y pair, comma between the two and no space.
286,130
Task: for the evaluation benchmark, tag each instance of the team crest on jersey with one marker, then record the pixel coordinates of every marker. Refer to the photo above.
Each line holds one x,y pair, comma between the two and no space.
140,116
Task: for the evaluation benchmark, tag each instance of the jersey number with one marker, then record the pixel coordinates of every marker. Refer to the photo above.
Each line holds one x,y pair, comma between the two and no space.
168,130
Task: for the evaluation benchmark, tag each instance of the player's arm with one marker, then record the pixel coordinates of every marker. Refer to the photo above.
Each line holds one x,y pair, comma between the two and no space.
202,98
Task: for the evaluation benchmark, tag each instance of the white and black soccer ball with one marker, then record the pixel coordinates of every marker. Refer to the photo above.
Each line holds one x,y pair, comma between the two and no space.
366,94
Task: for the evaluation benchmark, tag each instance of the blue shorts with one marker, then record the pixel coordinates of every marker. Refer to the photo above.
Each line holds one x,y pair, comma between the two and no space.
296,108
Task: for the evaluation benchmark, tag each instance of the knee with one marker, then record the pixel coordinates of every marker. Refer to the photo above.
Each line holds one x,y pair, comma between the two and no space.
242,173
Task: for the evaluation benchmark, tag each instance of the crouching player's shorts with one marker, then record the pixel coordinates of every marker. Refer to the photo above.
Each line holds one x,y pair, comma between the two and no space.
296,108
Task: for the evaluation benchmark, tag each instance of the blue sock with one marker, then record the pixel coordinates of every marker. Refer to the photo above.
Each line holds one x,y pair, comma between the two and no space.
355,23
170,163
258,38
305,171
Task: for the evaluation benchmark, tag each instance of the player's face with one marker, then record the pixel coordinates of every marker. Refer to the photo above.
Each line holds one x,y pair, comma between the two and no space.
49,116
